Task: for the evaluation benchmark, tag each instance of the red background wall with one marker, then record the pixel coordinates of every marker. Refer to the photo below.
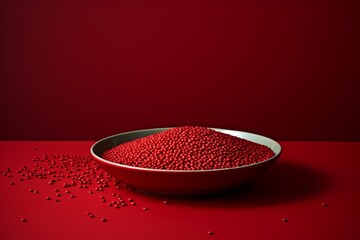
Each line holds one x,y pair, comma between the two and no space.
87,69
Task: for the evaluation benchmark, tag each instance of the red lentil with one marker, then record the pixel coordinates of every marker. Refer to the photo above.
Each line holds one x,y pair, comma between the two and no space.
188,148
69,171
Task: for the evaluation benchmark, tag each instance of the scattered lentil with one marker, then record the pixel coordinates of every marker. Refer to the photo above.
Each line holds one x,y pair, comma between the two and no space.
71,171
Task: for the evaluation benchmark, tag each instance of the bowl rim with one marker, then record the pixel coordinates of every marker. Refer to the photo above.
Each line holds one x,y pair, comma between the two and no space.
108,162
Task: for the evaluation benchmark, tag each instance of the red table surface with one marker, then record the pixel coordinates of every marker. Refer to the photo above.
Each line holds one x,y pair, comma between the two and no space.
306,175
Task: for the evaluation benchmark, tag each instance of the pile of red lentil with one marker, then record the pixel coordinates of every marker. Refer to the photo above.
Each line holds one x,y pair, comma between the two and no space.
189,148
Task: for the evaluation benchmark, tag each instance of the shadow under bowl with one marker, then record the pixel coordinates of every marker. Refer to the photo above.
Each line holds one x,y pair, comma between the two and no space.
182,182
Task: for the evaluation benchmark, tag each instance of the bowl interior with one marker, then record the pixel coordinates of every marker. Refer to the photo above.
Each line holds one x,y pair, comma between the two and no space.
112,141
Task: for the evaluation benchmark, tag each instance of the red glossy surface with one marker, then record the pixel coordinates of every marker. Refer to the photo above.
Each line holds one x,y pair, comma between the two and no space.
86,69
306,175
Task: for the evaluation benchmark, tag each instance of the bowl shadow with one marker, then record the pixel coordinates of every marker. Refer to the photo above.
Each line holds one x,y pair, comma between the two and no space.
285,182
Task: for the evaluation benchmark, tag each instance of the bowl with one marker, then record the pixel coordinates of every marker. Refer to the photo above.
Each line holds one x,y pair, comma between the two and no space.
182,182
